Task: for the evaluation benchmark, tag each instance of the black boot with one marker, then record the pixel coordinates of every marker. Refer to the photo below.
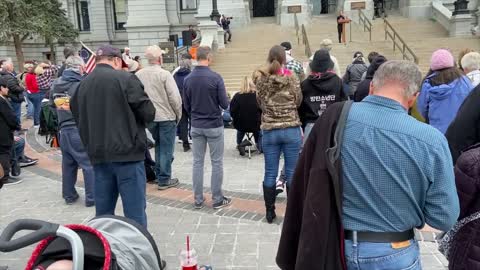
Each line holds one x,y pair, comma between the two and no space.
269,195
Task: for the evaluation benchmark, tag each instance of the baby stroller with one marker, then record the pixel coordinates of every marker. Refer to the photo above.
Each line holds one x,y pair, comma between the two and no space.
104,243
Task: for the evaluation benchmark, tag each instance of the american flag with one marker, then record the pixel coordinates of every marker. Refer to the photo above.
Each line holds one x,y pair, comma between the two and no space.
88,57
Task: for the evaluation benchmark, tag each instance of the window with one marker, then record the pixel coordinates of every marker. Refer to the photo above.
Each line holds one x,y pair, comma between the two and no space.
83,15
188,4
120,14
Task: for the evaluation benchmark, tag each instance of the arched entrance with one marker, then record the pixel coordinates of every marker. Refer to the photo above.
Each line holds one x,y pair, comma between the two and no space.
263,8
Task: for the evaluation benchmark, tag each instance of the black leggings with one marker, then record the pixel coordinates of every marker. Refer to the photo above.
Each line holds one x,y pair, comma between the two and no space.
340,30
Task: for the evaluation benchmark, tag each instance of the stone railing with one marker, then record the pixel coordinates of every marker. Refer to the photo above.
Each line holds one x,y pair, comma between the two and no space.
456,24
441,14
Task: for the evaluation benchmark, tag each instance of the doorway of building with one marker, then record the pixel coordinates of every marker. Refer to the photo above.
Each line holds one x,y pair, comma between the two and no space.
263,8
324,6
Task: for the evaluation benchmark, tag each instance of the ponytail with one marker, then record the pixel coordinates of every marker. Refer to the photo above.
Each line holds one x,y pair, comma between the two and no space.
275,67
276,59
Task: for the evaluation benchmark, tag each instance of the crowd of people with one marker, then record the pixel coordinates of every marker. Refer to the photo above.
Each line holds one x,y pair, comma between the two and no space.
358,168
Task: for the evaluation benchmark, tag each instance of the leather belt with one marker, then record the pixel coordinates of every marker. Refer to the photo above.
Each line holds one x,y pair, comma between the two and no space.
380,237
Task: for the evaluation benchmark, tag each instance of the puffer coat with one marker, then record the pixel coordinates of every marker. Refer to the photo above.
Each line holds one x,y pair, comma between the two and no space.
461,244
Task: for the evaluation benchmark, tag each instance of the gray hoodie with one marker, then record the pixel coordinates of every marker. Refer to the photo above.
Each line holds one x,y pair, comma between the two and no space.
62,90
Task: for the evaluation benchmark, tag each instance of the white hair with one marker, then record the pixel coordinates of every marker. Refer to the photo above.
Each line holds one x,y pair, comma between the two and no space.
471,61
74,62
405,73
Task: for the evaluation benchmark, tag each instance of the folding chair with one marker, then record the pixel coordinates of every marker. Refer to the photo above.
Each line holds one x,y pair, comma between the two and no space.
251,143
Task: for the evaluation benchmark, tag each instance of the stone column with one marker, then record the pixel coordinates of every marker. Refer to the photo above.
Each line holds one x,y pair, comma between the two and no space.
460,25
208,28
476,28
416,8
287,19
147,24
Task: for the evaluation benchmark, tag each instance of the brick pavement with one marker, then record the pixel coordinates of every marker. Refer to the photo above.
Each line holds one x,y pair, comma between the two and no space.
224,242
236,237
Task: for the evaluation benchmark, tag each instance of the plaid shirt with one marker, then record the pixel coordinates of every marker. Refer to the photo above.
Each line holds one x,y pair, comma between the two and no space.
297,68
45,80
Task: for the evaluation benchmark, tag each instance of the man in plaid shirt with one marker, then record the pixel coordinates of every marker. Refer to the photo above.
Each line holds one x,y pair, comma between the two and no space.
45,80
293,64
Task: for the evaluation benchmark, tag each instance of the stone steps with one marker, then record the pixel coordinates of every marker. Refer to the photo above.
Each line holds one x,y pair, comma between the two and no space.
422,36
251,44
249,50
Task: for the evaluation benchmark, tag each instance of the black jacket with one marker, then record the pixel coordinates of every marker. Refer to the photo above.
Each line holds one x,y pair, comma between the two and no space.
464,131
15,91
312,234
8,124
112,111
465,245
363,88
245,112
319,93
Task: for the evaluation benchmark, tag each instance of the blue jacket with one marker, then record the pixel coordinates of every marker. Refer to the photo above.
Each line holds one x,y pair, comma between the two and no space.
205,97
439,104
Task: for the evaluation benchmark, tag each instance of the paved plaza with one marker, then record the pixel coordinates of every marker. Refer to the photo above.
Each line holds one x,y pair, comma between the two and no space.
236,237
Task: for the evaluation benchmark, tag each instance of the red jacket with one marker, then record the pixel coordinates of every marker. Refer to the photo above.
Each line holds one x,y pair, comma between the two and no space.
31,83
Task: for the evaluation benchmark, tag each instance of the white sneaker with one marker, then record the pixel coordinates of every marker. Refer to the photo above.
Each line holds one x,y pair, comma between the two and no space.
12,181
280,187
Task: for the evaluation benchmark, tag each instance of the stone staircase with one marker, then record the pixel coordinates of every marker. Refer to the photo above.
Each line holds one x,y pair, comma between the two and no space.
422,36
250,44
249,50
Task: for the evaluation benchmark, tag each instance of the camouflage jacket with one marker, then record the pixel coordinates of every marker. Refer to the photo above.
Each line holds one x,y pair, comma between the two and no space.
279,97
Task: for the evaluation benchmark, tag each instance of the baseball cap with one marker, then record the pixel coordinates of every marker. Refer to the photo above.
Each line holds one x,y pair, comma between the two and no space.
153,52
286,45
109,50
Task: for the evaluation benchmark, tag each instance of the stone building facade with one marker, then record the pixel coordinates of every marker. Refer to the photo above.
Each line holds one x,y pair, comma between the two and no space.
139,23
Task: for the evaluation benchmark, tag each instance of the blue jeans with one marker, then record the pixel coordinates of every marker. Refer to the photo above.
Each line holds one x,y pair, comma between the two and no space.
17,109
127,179
215,140
275,142
381,256
164,135
19,147
74,156
29,107
36,100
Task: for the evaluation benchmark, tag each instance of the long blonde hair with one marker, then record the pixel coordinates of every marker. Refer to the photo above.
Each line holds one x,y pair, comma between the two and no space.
247,85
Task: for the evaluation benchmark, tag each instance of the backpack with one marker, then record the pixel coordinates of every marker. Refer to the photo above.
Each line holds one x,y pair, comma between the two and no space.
49,125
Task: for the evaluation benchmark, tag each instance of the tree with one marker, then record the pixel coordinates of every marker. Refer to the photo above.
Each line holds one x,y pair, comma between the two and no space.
17,23
22,19
55,25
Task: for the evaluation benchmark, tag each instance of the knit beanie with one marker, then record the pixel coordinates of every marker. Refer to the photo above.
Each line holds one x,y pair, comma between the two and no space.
441,59
321,61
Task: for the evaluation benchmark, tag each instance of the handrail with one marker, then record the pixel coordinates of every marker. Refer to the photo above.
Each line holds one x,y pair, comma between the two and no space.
363,20
306,43
393,34
297,28
184,49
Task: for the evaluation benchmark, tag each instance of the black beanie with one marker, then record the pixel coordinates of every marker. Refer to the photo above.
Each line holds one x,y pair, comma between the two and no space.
321,61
